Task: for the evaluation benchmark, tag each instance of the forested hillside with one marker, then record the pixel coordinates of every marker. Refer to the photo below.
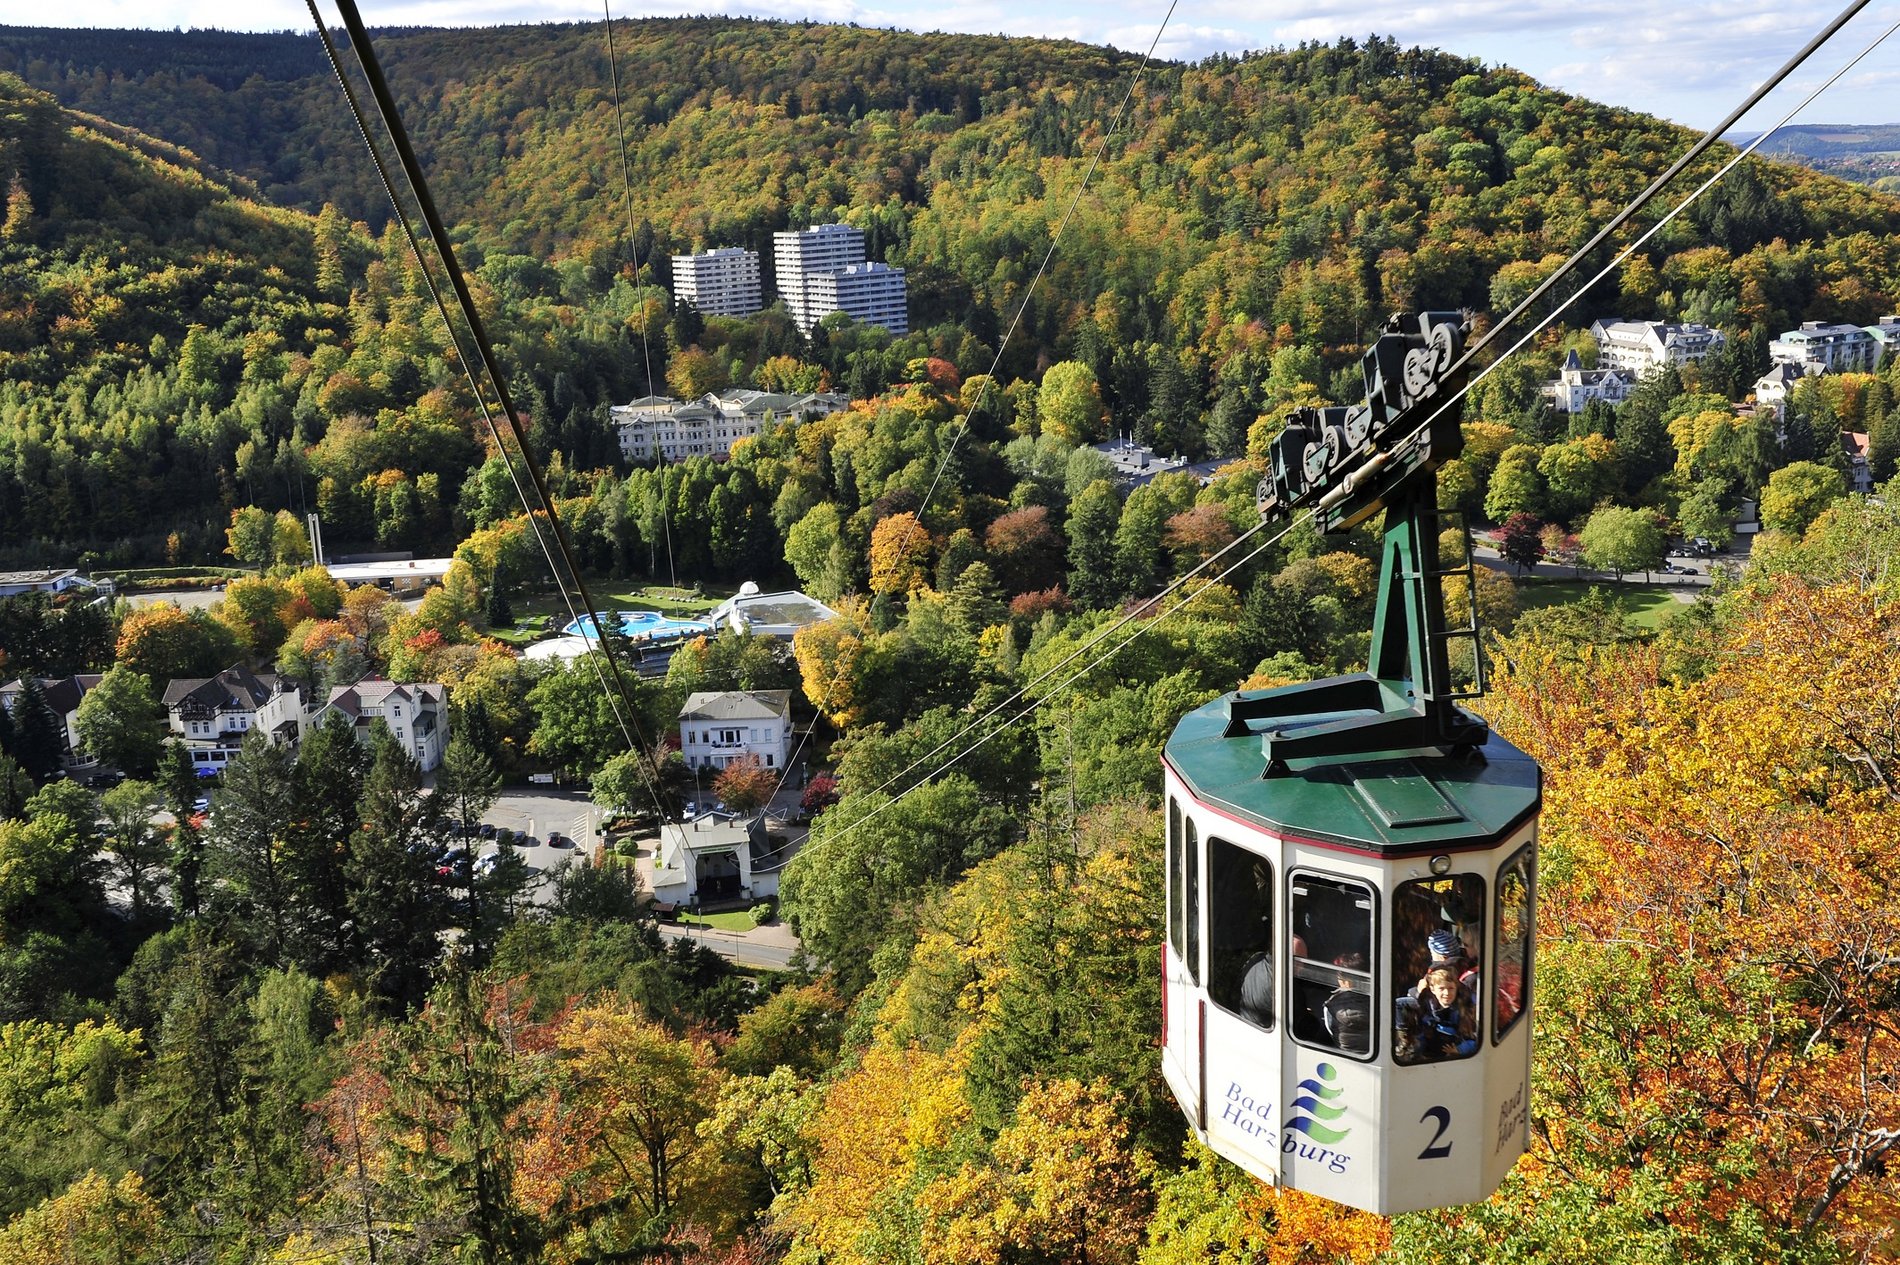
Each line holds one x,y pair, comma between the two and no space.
1281,203
301,1023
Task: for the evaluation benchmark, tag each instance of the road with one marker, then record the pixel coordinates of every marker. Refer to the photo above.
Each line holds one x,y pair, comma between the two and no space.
1689,586
766,948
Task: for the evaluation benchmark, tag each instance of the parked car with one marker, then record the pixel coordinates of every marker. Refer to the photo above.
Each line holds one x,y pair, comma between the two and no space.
558,840
105,781
486,830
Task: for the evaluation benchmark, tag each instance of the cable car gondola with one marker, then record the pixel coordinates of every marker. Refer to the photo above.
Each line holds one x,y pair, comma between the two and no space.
1351,863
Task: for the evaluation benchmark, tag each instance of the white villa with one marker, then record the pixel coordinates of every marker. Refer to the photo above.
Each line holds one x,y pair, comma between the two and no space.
710,425
716,729
212,715
417,715
1576,386
1644,347
1773,388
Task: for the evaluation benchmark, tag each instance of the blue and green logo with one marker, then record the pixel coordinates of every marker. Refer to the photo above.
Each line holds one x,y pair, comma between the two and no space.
1316,1105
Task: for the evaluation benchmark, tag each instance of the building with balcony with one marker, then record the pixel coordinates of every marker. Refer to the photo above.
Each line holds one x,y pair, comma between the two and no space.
716,729
824,270
1818,347
673,430
871,293
1773,388
213,715
723,282
799,255
1641,348
416,715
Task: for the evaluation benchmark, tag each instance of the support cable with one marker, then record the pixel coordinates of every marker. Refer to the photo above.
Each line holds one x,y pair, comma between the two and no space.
626,186
1453,399
418,186
1085,669
1657,227
1655,186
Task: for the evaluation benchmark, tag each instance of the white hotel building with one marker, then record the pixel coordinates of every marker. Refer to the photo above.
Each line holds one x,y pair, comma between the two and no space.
722,282
673,430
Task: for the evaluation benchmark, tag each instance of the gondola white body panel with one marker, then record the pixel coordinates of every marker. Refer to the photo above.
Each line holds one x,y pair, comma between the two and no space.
1360,1127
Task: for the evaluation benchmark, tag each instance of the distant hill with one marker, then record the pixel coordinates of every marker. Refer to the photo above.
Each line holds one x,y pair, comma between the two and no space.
1827,140
1863,153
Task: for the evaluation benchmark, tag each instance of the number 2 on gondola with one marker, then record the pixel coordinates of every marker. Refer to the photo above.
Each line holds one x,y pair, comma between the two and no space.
1433,1151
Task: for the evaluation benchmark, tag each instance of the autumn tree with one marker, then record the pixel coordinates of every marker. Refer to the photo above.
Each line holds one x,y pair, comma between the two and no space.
1069,403
1025,549
164,643
745,785
1796,494
95,1219
120,720
632,1097
1666,800
900,554
1623,540
1063,1183
1520,541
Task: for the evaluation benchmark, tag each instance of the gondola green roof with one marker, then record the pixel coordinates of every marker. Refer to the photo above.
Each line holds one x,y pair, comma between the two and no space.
1384,802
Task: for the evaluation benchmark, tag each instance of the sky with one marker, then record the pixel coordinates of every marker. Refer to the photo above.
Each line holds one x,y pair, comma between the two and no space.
1690,61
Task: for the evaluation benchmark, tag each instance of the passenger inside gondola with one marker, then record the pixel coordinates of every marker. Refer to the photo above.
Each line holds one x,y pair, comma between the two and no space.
1332,927
1447,1017
1240,932
1438,932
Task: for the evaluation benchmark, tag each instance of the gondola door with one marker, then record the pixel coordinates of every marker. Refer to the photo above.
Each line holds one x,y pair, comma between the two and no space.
1183,1059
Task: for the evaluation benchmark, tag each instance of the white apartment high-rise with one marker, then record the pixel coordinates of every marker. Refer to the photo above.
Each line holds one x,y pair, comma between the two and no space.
872,293
801,257
722,282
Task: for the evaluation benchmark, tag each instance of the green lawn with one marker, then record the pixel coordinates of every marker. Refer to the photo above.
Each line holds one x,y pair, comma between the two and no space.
1647,604
739,920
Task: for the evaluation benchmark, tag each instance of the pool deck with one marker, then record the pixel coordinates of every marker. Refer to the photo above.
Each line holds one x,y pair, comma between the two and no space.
643,626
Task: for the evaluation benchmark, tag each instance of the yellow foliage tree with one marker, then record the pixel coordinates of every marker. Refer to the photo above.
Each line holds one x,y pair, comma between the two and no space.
1718,856
900,555
93,1220
827,655
1062,1184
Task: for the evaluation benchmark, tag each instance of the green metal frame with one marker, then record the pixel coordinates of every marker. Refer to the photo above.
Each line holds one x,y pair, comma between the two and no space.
1407,699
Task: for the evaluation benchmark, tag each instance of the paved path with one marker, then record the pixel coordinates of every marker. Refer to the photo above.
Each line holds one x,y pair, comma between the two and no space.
770,947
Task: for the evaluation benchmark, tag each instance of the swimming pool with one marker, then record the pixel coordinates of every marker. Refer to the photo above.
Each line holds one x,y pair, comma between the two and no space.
643,626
